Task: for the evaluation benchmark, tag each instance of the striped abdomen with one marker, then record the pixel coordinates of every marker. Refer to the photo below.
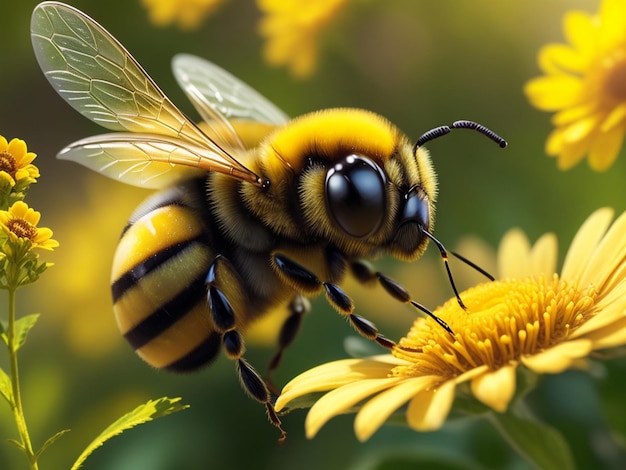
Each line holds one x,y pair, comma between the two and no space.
158,281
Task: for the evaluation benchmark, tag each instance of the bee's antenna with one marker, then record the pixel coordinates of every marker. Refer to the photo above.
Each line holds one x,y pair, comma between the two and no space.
432,134
463,124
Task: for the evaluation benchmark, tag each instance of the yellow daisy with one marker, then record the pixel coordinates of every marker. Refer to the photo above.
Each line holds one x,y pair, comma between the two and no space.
585,83
188,14
532,316
20,222
15,161
292,31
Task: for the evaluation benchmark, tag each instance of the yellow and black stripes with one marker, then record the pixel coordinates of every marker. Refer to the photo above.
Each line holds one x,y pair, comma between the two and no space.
158,285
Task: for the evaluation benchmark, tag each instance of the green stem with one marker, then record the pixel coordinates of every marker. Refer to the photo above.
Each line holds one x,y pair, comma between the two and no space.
18,412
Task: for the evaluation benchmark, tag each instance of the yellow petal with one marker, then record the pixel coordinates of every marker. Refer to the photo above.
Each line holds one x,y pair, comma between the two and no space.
605,148
568,153
585,242
610,311
558,358
554,92
613,19
559,58
334,374
543,255
429,409
569,115
376,411
611,336
495,389
580,31
608,253
616,117
340,400
513,255
581,129
17,148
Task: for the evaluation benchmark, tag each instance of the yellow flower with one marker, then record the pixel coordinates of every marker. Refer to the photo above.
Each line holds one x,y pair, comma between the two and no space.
20,222
532,317
585,82
189,14
292,31
15,161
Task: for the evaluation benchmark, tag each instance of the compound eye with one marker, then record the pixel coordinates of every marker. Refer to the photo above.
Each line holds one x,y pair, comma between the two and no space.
416,208
355,195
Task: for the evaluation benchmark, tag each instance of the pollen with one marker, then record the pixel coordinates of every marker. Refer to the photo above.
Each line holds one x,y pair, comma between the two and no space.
505,320
7,163
22,228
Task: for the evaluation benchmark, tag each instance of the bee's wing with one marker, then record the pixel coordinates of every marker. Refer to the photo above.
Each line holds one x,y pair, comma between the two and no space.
130,157
219,95
99,78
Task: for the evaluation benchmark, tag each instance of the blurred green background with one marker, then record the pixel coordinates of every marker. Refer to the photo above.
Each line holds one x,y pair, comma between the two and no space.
421,64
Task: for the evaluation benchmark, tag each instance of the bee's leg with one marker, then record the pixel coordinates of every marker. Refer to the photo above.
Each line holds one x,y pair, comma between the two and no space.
221,281
298,307
365,273
303,280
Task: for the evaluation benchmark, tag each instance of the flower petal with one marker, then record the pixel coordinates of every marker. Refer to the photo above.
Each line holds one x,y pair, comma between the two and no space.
558,358
340,400
610,336
335,374
569,115
610,310
513,255
495,389
579,30
612,14
608,255
543,255
554,92
559,58
605,148
615,117
376,411
17,148
429,409
585,242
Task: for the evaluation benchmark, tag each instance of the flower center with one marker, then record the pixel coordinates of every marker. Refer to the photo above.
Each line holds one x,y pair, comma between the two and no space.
615,80
7,163
22,228
505,320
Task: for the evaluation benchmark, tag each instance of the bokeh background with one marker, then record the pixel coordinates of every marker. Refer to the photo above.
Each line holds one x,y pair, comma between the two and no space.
421,64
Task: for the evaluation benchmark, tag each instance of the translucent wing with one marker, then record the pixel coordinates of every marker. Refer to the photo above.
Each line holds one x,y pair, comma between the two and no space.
98,77
130,158
220,94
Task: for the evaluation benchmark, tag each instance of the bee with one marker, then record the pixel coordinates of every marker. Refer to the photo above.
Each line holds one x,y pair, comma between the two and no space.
255,212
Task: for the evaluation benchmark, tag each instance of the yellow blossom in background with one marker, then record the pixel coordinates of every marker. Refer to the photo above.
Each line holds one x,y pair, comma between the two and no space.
531,316
187,14
20,222
584,82
15,162
292,30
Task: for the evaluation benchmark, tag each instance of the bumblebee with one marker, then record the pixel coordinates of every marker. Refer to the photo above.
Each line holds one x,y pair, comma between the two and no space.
256,212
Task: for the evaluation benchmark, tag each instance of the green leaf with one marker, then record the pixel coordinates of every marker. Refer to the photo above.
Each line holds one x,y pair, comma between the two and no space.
49,442
142,414
539,443
22,327
5,387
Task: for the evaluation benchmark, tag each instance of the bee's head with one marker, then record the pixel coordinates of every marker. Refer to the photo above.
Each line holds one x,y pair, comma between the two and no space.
376,205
